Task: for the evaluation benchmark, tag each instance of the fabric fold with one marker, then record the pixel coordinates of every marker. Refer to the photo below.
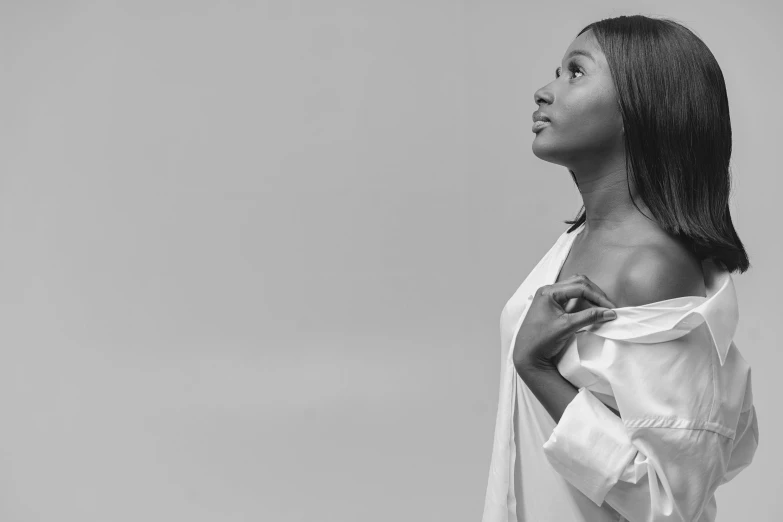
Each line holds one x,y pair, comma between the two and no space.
673,318
591,361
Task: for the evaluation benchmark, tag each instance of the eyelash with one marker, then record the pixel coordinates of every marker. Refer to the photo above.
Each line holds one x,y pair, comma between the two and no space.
572,67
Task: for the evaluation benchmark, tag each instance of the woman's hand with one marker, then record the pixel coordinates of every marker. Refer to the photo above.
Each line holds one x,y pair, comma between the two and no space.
547,327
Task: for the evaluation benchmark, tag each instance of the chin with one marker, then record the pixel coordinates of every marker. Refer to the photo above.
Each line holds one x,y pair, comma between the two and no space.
545,152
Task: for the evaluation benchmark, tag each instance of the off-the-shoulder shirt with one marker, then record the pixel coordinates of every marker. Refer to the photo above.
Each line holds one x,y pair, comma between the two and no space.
687,421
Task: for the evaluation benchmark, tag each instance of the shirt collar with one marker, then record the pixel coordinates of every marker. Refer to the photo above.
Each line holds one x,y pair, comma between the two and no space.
666,320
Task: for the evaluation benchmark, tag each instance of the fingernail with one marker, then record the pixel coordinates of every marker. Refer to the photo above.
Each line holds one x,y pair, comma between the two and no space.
609,314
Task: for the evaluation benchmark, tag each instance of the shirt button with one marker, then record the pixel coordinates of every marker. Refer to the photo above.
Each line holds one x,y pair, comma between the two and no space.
530,297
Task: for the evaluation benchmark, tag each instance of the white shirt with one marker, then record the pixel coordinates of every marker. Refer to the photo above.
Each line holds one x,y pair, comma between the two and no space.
682,389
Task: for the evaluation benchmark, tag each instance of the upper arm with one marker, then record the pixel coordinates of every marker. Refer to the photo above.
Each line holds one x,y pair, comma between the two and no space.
654,274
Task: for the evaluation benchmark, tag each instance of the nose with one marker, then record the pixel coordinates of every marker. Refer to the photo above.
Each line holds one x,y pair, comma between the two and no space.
542,95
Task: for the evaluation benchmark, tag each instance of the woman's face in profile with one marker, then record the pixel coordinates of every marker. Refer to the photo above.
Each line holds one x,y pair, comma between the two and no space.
585,126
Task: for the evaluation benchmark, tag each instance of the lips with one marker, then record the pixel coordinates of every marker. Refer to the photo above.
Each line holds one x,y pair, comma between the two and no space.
540,116
538,125
540,120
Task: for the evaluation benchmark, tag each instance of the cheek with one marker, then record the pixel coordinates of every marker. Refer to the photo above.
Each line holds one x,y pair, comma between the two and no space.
592,117
587,122
586,131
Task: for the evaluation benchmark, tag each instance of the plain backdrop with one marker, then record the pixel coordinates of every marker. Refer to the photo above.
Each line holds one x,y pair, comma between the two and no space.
254,254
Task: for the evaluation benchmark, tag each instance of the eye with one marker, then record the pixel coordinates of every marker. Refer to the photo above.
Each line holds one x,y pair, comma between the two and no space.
572,67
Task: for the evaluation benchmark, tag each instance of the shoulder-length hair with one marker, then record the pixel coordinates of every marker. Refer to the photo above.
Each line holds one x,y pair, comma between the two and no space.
675,111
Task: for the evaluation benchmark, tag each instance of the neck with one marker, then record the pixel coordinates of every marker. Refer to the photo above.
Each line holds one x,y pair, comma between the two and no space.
609,208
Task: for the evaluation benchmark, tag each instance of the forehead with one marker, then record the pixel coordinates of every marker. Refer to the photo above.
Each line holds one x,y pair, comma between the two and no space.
587,42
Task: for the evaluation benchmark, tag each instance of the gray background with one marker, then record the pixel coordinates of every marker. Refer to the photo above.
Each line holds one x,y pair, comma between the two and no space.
254,254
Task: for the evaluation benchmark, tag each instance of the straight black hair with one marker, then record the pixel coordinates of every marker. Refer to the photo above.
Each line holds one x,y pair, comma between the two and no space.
675,111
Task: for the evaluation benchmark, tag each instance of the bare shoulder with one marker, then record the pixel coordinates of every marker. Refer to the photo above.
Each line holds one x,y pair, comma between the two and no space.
658,272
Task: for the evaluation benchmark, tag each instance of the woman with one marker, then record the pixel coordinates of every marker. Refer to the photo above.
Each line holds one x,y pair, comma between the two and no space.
641,415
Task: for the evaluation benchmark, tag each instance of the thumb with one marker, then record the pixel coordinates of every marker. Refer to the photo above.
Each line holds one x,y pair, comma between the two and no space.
590,316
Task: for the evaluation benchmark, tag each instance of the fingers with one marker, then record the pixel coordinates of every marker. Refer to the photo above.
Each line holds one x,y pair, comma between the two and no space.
587,317
566,292
583,278
580,286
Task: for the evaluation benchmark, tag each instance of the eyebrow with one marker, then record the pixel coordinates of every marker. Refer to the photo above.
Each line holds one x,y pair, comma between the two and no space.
580,52
575,52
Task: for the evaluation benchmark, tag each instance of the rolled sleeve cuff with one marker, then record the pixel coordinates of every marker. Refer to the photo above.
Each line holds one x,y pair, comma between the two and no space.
589,447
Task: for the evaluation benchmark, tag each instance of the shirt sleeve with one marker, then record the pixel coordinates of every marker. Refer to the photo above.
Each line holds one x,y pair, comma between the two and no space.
671,448
746,442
